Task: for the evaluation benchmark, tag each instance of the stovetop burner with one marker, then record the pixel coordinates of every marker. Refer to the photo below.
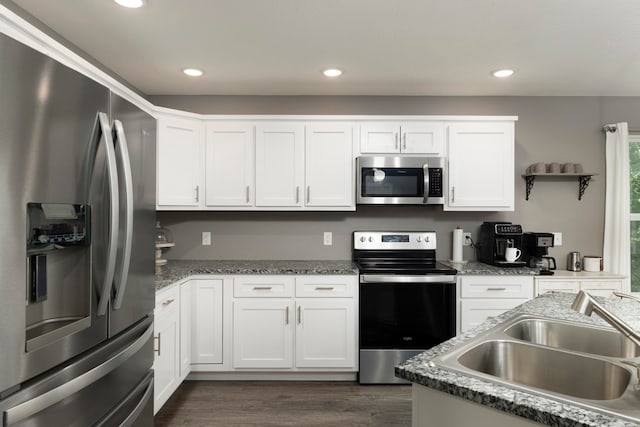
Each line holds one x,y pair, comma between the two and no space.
407,253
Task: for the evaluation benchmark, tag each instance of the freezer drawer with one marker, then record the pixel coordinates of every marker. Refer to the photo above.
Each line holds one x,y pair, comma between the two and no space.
112,385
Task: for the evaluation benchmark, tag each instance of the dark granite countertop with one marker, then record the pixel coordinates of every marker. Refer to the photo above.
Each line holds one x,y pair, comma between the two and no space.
501,397
176,270
473,268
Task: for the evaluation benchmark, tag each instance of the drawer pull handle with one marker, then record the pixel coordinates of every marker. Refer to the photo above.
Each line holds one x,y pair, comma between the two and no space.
286,316
262,288
167,302
157,350
497,289
299,315
324,288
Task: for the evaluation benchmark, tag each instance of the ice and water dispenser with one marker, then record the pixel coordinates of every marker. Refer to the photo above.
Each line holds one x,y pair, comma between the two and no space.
58,271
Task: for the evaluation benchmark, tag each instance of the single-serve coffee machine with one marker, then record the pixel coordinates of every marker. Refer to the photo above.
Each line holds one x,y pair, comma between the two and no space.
536,251
500,244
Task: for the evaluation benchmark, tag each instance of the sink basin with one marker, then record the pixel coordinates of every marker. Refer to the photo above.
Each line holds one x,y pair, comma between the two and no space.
547,369
570,362
574,337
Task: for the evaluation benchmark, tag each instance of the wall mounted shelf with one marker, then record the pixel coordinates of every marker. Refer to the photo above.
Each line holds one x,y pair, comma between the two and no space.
583,180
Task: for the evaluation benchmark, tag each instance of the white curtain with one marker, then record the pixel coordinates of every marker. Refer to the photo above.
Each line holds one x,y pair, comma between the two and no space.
617,251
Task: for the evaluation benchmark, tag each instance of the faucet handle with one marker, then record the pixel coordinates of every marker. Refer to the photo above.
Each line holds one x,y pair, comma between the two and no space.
636,365
622,295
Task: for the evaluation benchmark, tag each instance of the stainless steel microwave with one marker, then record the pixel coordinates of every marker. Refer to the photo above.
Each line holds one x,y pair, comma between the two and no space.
390,180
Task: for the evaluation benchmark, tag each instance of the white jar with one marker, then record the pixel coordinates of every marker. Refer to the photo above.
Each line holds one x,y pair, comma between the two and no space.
592,263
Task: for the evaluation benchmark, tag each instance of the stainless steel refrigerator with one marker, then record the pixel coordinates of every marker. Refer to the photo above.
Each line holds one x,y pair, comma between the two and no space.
77,200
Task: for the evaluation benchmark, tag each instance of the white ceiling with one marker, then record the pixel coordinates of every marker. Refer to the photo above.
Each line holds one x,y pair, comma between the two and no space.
385,47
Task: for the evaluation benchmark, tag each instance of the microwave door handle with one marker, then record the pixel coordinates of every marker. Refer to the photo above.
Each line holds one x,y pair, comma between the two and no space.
425,173
122,150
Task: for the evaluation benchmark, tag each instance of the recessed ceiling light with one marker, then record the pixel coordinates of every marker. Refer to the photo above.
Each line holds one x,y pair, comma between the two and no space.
193,72
332,72
503,73
131,3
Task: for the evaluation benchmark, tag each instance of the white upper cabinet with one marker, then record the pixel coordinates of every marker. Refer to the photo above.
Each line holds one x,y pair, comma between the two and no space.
329,165
179,157
408,138
481,166
279,164
229,171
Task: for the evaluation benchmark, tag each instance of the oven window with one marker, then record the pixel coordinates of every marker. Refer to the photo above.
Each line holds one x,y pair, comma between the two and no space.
392,182
406,316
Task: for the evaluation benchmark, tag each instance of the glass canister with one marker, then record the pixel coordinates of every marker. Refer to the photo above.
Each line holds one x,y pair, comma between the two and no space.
163,234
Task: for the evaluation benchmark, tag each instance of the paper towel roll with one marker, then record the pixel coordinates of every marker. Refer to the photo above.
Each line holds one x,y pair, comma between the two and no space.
457,245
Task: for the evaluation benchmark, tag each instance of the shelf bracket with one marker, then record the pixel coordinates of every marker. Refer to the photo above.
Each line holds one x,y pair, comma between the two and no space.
530,179
584,183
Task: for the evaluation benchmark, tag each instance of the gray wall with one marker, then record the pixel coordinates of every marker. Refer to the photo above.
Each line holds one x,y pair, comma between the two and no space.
563,129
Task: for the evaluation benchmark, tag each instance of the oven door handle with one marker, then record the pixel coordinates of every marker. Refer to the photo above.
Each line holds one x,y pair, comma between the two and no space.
376,278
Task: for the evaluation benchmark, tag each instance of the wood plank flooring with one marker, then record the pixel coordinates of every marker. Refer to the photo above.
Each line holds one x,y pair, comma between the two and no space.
278,403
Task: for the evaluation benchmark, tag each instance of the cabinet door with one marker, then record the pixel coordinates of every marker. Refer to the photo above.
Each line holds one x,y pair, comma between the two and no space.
380,138
279,164
422,138
325,333
475,311
206,329
229,164
179,162
263,333
481,166
329,165
166,365
185,329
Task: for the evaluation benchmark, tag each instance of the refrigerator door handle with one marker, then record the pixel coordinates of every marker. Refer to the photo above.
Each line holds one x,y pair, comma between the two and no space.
147,385
31,407
112,245
122,150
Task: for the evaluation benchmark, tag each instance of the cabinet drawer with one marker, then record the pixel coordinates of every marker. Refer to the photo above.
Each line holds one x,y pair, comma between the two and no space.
261,286
326,286
496,287
475,312
167,302
543,286
601,288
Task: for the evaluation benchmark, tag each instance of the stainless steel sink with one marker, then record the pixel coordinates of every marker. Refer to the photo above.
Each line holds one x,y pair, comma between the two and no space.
566,361
548,369
571,336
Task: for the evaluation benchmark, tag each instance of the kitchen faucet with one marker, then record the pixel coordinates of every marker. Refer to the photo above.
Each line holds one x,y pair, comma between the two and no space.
623,295
586,304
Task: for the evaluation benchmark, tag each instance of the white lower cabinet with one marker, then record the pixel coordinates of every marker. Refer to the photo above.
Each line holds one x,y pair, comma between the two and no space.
166,365
311,328
206,321
482,297
262,333
598,284
325,330
185,329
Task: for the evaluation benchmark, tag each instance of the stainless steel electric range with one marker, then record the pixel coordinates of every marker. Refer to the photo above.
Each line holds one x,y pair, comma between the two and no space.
407,300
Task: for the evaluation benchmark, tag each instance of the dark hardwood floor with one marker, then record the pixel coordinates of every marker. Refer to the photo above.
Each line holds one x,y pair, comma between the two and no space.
276,403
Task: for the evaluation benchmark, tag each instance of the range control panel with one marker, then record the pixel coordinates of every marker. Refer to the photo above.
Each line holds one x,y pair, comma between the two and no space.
394,240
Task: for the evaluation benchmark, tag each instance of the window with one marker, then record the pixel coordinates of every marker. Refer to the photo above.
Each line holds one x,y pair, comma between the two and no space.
634,188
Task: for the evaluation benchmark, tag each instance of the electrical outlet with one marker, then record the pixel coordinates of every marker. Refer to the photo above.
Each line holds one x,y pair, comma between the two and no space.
206,238
466,239
557,238
328,238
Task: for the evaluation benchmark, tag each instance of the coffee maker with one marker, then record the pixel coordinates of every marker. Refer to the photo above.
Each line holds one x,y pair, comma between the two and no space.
495,238
536,251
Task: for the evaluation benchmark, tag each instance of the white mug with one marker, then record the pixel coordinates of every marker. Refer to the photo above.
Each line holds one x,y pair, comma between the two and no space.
512,254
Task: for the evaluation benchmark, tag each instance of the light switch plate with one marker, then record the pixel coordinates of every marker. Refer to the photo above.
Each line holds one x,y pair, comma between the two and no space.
206,238
328,238
557,238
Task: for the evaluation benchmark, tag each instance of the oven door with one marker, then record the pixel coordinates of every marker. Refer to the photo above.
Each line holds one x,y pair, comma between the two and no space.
401,316
400,180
